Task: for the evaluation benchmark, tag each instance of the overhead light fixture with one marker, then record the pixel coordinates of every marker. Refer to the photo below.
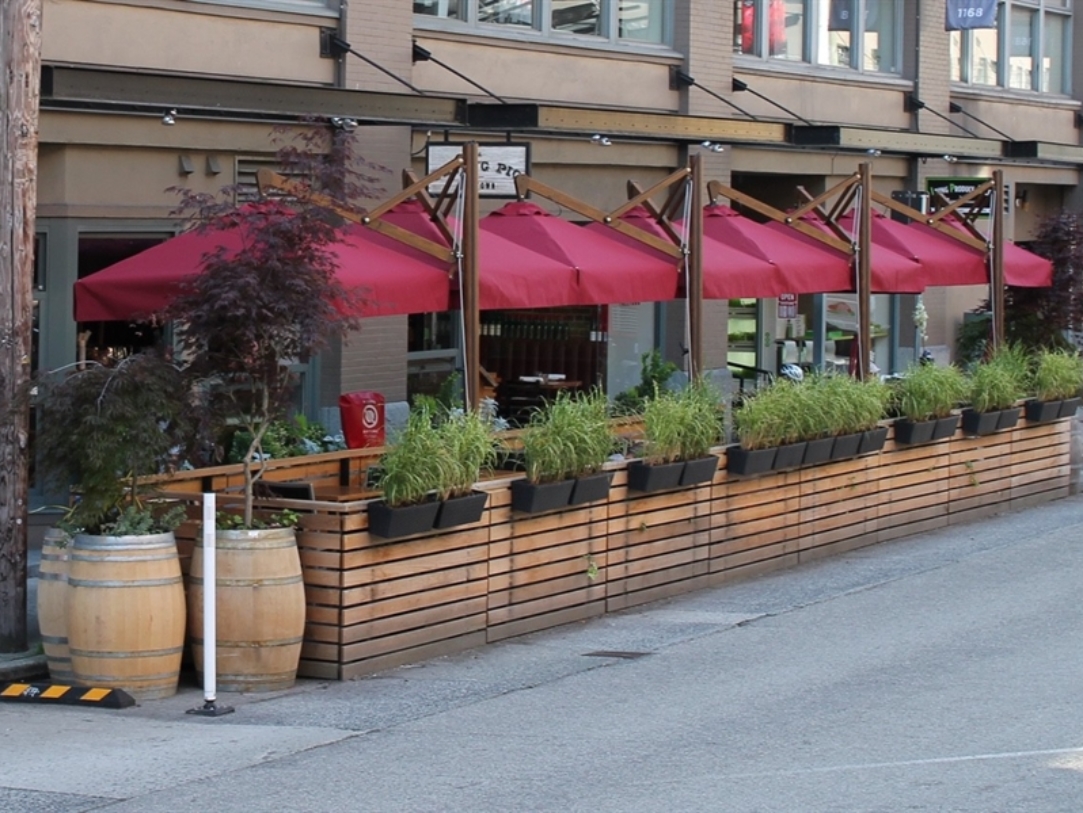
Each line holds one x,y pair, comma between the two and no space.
712,146
347,125
169,118
601,140
872,152
951,159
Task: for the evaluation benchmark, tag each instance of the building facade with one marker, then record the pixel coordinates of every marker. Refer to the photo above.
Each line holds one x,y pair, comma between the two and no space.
140,96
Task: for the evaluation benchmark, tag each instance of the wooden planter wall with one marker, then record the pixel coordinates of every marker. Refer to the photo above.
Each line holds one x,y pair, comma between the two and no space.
374,603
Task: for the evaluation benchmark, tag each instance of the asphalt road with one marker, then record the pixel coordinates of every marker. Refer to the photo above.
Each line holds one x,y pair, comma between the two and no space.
939,673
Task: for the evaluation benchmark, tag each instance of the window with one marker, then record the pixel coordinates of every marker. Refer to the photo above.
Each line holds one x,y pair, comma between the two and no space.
1028,50
859,34
613,21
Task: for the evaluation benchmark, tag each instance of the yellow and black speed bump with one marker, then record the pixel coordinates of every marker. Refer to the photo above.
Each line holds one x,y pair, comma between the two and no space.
53,693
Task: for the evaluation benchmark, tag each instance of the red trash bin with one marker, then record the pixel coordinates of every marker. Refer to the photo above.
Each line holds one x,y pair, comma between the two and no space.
362,416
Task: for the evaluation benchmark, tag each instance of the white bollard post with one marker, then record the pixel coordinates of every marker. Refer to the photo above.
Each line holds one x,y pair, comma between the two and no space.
210,618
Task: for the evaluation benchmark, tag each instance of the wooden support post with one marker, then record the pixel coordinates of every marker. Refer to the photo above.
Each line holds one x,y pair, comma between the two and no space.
996,261
470,291
695,269
864,275
20,65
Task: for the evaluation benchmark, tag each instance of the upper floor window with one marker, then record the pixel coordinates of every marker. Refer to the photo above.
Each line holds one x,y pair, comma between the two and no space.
1027,50
859,34
603,20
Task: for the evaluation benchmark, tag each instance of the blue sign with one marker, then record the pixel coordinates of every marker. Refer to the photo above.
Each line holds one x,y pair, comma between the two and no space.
965,14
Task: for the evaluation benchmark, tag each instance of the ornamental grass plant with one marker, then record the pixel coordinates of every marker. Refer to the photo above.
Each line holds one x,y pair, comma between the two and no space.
567,437
928,391
1001,380
682,425
1056,374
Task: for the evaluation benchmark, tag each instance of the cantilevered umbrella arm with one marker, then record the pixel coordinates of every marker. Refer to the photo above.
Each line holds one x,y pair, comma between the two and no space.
267,179
524,184
937,221
716,189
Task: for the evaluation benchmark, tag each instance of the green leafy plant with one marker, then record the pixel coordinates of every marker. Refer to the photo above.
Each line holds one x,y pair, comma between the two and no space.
567,437
682,425
928,391
655,372
470,446
1056,374
417,465
104,430
1000,381
230,521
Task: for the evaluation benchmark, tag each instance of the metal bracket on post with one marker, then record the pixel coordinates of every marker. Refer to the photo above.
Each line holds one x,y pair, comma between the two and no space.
210,707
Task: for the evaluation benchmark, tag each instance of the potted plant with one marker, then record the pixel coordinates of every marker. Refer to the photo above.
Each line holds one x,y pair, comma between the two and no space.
995,385
470,445
413,471
566,441
924,399
759,422
1056,377
679,428
817,415
103,430
254,308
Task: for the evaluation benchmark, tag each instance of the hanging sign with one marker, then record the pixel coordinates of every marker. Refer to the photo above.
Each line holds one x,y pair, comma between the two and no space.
964,14
951,189
498,165
787,306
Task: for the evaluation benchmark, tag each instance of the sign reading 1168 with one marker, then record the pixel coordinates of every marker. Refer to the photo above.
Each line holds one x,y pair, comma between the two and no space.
498,165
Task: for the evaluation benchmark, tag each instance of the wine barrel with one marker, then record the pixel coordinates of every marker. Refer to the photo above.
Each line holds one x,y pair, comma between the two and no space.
126,613
260,603
53,604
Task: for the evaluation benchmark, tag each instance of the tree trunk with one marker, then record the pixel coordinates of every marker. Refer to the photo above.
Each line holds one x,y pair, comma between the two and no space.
20,61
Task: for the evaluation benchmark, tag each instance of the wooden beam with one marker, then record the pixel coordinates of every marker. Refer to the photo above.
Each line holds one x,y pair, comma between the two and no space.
469,288
996,262
864,273
695,270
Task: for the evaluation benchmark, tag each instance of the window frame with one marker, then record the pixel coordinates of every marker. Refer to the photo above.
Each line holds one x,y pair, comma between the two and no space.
813,40
541,28
1043,9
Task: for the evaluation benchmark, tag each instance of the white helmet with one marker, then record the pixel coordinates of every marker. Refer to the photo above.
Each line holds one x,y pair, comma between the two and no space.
792,372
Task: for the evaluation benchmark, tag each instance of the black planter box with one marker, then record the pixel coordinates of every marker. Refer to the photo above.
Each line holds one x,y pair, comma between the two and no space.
532,498
945,427
461,510
1009,417
405,520
749,461
1069,406
700,470
1043,411
914,432
980,423
644,476
790,456
818,451
873,440
591,488
846,446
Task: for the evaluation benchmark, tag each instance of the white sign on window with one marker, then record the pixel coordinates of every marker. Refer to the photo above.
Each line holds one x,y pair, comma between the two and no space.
498,166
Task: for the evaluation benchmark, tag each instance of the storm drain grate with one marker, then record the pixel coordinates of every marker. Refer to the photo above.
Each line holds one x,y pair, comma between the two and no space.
608,653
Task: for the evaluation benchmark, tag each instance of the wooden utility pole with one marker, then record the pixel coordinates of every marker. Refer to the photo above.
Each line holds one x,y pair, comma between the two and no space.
20,62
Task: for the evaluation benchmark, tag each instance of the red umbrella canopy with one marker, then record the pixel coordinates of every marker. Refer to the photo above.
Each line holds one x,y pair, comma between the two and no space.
607,270
510,275
391,281
806,267
895,270
727,271
1022,268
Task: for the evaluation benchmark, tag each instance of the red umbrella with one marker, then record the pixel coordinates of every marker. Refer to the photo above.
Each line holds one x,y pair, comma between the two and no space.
607,271
1022,268
806,267
727,271
510,275
392,278
895,270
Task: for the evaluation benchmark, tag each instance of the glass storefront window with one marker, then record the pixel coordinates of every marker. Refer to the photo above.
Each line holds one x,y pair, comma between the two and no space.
1053,62
983,57
836,33
879,52
787,18
955,48
642,21
506,12
576,17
